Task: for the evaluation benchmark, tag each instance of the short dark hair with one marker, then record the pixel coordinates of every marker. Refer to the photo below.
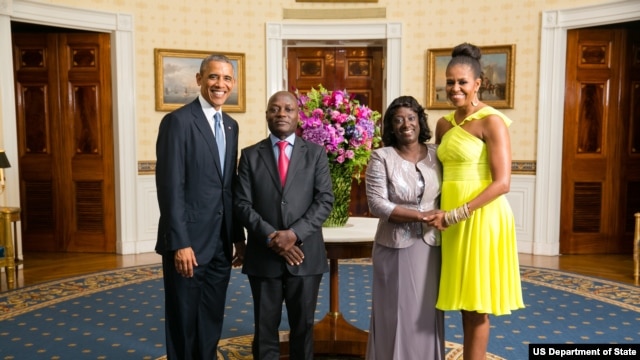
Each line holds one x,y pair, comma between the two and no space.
409,102
218,58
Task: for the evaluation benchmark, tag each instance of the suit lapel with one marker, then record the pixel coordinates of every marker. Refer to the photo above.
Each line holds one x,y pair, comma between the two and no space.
265,151
203,126
297,160
298,155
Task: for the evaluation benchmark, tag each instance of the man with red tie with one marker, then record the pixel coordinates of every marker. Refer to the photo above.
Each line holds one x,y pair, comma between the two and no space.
282,197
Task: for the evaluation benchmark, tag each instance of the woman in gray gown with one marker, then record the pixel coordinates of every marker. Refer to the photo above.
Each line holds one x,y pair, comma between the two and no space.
403,187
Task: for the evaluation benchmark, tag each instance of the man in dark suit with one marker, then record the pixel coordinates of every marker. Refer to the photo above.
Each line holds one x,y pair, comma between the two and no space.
285,256
196,151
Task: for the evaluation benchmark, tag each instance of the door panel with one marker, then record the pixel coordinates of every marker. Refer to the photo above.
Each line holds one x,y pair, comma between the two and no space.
631,152
594,160
37,94
357,69
90,138
309,67
65,140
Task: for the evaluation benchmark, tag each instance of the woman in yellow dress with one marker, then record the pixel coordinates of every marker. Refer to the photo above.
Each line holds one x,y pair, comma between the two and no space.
480,270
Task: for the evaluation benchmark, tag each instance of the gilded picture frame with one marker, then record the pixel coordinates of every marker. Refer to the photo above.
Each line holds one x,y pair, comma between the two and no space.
175,78
498,66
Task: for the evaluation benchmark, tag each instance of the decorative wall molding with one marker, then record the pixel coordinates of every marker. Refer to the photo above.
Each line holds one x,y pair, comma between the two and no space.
520,167
148,214
523,167
521,200
146,167
336,14
5,7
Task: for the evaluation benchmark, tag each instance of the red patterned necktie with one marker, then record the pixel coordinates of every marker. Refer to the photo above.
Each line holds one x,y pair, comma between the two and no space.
283,161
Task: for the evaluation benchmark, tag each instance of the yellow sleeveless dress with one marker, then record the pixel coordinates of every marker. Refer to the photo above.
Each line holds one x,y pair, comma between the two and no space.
480,270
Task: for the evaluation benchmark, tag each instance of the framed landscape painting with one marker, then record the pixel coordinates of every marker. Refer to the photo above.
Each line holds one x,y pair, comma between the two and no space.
498,66
175,77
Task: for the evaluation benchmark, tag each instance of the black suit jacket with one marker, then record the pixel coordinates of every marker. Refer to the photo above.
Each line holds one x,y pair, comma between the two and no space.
303,205
195,199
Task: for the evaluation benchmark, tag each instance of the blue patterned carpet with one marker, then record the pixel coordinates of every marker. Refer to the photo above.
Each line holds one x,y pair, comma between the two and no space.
119,314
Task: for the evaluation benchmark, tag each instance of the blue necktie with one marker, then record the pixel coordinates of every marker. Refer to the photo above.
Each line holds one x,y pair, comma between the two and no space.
217,118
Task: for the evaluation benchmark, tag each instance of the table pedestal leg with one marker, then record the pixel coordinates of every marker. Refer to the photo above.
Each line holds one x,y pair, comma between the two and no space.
334,335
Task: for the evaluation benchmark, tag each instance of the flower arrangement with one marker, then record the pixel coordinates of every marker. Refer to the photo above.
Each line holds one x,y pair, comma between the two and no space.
336,120
348,131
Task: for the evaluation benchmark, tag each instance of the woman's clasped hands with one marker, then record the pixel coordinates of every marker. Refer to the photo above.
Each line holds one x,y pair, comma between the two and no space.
434,218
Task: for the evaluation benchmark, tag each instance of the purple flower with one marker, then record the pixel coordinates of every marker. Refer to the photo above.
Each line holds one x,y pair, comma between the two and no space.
336,120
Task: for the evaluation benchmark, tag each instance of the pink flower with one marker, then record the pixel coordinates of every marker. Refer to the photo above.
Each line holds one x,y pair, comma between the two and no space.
349,154
337,121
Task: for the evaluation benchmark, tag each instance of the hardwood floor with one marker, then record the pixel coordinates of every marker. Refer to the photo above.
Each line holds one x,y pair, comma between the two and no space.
45,266
616,267
42,267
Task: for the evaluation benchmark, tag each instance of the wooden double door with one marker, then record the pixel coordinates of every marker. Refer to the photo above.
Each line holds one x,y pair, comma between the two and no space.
601,153
359,70
65,140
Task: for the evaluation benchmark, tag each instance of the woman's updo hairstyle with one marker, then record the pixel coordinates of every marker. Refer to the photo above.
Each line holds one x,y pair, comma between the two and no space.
467,54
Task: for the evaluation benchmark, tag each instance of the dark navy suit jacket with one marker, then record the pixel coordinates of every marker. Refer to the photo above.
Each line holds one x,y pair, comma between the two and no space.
195,200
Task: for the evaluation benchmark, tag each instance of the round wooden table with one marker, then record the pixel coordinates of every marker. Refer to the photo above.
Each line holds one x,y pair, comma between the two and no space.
333,334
